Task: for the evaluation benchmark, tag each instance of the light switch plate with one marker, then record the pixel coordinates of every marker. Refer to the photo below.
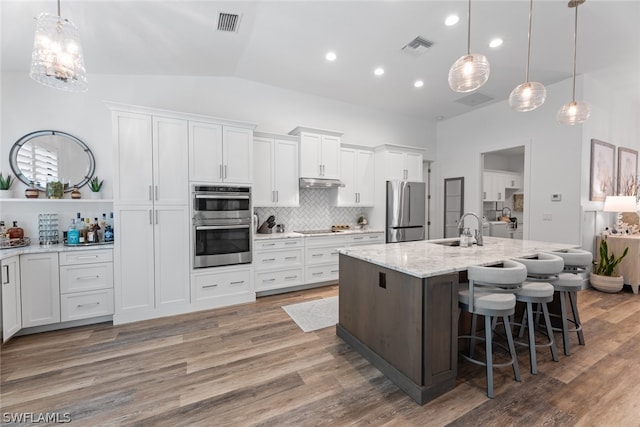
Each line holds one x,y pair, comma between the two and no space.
556,197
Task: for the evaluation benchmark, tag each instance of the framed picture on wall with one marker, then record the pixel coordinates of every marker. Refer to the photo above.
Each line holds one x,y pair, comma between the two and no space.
627,171
602,170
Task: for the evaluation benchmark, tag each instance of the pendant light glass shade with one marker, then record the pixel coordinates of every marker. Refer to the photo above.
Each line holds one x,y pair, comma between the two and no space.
57,59
574,112
529,95
470,71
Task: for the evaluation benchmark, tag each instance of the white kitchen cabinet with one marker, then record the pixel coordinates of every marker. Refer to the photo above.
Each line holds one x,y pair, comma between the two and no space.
276,171
357,174
512,180
278,263
220,153
11,301
365,239
321,258
319,153
495,184
222,286
399,163
40,289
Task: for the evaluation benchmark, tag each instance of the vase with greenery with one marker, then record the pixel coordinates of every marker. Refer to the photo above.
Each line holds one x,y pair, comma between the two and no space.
5,186
603,278
95,185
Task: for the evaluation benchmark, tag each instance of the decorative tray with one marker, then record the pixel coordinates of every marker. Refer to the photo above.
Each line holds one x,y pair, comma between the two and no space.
15,243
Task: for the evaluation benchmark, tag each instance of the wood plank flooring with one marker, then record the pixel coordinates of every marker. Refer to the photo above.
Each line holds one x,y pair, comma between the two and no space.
251,365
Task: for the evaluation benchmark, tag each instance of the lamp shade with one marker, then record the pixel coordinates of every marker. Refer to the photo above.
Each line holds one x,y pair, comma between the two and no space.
620,204
57,59
573,112
469,72
527,97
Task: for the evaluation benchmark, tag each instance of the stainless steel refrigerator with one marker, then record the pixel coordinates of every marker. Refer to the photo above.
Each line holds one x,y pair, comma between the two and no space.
405,211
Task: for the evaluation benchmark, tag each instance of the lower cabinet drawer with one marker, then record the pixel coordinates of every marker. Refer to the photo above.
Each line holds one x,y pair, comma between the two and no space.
86,277
220,284
321,255
84,305
321,273
278,259
279,279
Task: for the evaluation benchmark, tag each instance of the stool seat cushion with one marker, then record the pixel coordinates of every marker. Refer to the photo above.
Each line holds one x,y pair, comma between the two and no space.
575,257
536,289
543,264
510,273
570,282
488,301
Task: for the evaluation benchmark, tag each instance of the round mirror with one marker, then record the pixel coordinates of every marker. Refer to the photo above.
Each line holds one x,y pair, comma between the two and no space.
50,155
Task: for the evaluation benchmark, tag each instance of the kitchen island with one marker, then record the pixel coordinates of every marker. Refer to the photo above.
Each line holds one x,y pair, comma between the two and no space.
398,305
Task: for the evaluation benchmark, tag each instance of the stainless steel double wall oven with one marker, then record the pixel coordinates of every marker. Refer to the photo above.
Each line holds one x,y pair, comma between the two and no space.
221,225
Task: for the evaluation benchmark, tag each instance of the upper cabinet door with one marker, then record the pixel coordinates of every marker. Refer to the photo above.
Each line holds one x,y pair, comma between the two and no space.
348,195
170,161
263,186
413,165
330,157
365,177
395,165
285,174
310,155
134,159
237,154
205,152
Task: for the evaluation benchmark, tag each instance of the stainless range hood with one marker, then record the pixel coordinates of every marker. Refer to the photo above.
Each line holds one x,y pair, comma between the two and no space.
320,183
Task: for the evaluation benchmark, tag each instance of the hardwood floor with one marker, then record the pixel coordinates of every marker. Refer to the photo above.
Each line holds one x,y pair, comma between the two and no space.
251,365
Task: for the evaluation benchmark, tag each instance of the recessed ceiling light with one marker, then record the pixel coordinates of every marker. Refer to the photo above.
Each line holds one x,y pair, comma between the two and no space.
378,71
418,83
495,42
451,20
331,56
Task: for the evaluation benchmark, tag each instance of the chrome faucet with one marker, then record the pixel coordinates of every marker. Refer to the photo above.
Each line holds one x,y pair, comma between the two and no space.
478,233
506,207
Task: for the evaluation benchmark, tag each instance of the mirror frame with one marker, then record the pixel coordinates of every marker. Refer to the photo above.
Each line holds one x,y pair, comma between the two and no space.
13,157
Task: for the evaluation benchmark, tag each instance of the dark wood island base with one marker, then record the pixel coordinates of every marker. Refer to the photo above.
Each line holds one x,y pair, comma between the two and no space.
403,325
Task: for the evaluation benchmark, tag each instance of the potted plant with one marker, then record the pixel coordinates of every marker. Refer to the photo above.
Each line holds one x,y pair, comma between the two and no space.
5,186
95,185
602,278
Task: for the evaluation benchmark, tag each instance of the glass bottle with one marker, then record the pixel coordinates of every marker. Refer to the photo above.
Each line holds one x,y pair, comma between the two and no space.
4,240
108,231
82,230
73,235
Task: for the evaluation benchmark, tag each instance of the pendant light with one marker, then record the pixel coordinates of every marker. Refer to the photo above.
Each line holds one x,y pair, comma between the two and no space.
470,71
574,112
529,95
57,59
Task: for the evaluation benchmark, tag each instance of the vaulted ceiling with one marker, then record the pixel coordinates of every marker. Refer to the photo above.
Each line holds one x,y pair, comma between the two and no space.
283,43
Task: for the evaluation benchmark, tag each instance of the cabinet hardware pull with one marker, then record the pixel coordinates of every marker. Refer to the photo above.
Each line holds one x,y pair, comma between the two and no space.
156,216
268,244
291,257
290,243
87,257
6,274
225,171
268,280
317,255
277,197
150,193
317,274
290,277
209,286
335,271
373,237
334,253
268,259
155,190
150,216
358,238
220,171
273,196
88,277
320,170
239,282
484,194
88,304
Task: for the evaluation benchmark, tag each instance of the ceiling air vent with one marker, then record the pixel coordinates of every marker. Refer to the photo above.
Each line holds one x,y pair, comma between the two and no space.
417,46
228,22
474,99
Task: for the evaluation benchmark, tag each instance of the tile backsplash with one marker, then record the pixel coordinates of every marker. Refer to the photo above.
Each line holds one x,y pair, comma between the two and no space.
316,211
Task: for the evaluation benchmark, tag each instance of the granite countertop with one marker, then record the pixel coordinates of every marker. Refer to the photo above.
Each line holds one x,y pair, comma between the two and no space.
291,234
426,258
34,249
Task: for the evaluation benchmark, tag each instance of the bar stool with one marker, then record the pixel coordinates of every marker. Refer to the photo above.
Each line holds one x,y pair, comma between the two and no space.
490,294
537,290
575,277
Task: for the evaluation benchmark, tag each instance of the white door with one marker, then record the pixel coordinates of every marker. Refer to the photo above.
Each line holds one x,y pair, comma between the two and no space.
330,157
171,243
134,158
310,163
40,289
365,177
414,166
237,155
11,301
263,186
133,266
205,152
347,195
286,173
170,161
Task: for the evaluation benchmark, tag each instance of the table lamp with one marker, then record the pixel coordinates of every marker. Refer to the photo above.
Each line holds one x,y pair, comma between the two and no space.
620,204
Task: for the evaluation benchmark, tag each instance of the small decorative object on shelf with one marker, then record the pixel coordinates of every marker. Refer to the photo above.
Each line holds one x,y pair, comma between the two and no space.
95,185
362,221
75,193
31,192
55,190
5,186
48,228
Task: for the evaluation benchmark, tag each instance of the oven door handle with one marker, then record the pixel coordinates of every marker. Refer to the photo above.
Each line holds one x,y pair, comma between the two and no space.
222,197
219,227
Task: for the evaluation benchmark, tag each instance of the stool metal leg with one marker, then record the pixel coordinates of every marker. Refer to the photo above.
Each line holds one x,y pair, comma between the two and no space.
524,315
547,321
532,338
489,355
512,348
576,317
565,324
472,344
